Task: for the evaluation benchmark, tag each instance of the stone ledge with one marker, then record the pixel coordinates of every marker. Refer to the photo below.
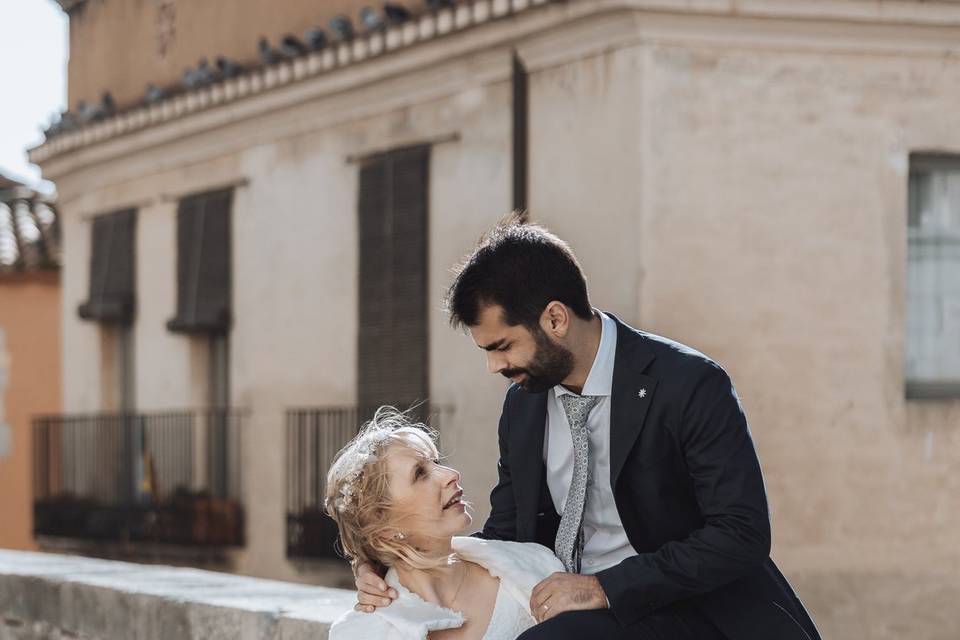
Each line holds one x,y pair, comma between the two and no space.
48,596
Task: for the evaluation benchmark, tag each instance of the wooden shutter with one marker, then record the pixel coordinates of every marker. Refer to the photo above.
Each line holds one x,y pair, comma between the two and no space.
519,134
392,350
203,264
112,269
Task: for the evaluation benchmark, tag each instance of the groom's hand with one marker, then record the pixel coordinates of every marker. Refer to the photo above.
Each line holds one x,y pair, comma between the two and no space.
372,591
566,592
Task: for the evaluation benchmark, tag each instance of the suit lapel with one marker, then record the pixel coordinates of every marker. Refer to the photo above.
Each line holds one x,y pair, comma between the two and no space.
528,420
631,395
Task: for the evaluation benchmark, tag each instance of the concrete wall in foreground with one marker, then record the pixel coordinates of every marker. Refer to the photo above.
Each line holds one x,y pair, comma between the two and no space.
47,596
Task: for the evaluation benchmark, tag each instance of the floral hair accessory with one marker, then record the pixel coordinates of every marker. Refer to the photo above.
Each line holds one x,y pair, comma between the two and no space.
352,464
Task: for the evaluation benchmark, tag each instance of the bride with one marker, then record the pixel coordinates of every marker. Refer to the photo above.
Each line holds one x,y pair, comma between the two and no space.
398,509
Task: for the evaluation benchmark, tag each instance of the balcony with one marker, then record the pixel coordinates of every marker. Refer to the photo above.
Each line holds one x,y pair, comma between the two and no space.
167,478
314,437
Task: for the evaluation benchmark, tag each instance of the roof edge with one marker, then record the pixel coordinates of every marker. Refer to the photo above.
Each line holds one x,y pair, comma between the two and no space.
424,28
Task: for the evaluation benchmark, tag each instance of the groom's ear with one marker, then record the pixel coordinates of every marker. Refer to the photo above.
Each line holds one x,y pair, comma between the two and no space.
555,319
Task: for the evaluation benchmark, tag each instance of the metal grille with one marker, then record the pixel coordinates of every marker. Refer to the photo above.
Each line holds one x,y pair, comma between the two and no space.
314,436
167,477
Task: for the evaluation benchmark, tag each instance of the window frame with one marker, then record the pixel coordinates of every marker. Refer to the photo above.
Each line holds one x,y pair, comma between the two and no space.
918,388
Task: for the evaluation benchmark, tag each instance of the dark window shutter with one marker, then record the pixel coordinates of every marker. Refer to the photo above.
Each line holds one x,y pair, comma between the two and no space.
112,269
203,264
520,136
393,349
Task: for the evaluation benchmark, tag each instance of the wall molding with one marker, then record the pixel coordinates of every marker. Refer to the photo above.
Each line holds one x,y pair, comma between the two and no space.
423,60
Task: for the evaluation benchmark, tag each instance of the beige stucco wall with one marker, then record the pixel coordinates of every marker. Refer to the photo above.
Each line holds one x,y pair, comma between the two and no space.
766,184
777,234
736,183
162,365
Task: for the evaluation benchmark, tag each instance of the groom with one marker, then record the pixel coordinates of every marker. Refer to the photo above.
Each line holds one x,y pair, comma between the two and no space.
626,453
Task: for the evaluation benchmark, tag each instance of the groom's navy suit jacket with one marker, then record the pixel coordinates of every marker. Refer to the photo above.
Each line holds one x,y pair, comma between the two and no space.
688,488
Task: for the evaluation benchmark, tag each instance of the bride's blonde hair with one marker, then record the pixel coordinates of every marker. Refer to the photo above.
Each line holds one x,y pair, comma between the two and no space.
358,498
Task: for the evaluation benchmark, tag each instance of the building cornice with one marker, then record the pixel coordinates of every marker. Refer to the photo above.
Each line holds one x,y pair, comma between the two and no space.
425,28
340,68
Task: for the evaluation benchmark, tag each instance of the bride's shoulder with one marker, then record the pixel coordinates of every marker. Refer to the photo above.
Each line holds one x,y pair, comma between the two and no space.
355,624
528,556
528,549
536,554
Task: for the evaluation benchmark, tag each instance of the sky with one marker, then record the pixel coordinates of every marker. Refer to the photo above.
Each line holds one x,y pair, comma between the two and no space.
33,80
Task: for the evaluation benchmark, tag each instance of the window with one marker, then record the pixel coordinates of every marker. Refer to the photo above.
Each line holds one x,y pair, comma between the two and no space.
204,285
203,264
112,264
204,312
933,278
111,302
392,347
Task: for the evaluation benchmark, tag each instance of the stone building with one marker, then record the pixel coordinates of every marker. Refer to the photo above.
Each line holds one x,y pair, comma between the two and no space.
772,182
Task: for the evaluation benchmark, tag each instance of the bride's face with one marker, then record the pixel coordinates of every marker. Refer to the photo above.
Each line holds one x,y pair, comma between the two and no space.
426,498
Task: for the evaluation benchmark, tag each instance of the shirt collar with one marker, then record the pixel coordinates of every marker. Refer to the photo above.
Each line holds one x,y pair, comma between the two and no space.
600,379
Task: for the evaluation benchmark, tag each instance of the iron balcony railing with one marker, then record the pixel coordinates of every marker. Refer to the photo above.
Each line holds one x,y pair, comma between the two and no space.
314,436
162,477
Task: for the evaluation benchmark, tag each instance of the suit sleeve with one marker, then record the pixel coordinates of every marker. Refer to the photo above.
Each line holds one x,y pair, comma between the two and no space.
502,522
735,537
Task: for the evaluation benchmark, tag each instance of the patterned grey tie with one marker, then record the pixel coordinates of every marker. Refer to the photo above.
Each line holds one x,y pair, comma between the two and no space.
569,544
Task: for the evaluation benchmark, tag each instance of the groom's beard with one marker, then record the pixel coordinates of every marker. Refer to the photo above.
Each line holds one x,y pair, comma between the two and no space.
551,364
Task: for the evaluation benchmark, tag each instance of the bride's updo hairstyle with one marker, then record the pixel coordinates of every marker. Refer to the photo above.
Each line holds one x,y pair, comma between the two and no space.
358,496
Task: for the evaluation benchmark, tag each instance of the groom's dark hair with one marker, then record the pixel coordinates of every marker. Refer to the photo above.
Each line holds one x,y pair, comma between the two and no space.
521,267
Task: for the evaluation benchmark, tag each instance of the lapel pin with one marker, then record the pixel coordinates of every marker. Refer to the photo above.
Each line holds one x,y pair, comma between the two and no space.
642,393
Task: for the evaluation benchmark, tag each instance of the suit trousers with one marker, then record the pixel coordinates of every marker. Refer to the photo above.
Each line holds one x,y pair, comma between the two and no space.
680,621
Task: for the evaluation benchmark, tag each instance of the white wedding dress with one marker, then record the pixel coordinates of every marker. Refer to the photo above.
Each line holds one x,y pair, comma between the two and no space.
509,618
519,566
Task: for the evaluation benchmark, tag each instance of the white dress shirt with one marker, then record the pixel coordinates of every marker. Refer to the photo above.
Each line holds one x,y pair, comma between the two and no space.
605,542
